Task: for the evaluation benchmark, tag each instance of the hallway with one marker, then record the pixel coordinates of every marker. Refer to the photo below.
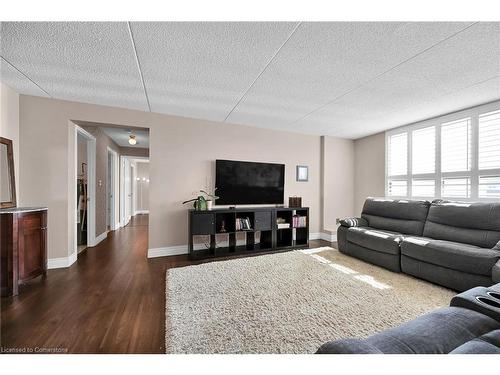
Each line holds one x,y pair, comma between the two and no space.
112,300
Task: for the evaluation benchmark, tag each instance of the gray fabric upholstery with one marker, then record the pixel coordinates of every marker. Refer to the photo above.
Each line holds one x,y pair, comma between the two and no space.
471,223
389,261
353,222
488,343
453,255
375,239
440,332
447,277
342,238
403,216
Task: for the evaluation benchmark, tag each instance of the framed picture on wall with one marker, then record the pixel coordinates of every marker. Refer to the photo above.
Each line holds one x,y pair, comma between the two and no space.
302,173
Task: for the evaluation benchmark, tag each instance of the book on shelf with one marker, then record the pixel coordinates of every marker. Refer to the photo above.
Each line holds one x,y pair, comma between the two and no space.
283,225
299,221
243,223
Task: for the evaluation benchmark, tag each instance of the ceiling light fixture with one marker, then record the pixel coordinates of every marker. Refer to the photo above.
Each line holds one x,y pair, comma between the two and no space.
132,140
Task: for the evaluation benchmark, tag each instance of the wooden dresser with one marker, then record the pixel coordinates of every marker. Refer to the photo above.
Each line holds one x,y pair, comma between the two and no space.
23,246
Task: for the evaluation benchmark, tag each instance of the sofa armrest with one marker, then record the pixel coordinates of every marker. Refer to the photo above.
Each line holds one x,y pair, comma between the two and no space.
353,222
495,272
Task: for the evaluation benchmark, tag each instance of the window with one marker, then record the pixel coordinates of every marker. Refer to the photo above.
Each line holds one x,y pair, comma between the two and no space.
455,187
489,140
398,154
456,138
423,187
456,156
489,187
423,150
398,188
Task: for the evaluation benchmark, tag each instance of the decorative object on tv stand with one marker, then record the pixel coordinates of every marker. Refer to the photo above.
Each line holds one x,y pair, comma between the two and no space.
202,202
302,173
281,223
295,201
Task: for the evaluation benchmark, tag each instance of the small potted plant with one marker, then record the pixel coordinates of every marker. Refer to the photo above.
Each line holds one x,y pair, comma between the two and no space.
210,198
203,202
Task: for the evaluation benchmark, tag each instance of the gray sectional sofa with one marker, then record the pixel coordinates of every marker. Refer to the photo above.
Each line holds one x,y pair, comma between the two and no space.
454,244
471,325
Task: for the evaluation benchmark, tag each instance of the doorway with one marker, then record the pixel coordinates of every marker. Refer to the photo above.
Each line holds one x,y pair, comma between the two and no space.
85,189
134,189
112,194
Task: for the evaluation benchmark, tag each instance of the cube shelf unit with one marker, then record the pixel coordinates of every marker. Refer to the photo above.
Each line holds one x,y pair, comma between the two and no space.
219,226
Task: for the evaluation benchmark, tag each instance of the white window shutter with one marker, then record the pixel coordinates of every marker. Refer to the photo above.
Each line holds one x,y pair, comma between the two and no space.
397,154
456,146
424,150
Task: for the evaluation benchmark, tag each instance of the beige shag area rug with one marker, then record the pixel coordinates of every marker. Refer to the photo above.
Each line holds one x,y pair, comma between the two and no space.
288,302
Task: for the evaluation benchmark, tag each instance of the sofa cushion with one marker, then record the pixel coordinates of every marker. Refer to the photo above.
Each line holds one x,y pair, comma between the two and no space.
375,239
471,223
486,344
453,255
398,215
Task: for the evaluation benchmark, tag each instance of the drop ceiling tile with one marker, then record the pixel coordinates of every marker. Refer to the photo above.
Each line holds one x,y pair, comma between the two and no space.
89,62
12,78
201,69
325,60
468,58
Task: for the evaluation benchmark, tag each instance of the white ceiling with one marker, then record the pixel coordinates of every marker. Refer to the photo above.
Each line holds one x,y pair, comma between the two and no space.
340,78
121,136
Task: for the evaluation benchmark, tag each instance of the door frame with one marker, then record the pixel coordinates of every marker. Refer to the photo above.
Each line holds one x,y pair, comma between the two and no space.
114,220
125,159
91,182
124,215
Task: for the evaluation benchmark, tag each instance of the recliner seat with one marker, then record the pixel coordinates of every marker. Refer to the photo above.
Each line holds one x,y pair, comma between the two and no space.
377,235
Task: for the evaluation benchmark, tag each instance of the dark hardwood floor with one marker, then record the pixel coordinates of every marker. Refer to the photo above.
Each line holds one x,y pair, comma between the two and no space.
112,300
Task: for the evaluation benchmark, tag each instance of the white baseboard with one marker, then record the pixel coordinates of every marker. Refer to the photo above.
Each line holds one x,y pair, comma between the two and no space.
328,237
99,239
62,262
167,251
141,212
323,236
314,236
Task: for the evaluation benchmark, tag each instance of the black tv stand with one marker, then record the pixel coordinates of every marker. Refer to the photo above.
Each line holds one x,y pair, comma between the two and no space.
219,226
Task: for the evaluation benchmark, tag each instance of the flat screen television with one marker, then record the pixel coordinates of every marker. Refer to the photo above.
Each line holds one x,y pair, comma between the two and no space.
243,182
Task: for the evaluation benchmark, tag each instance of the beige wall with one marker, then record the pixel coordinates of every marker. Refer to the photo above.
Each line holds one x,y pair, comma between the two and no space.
338,181
103,141
132,151
9,125
182,154
369,169
142,195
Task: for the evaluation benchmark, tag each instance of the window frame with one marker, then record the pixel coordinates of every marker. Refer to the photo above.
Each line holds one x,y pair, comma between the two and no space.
473,113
